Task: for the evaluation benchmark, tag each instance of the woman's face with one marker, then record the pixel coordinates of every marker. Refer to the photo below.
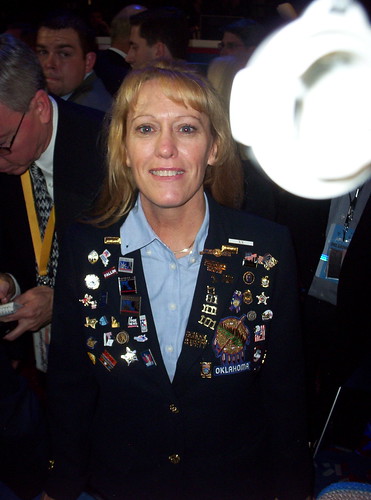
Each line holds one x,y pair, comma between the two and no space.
168,148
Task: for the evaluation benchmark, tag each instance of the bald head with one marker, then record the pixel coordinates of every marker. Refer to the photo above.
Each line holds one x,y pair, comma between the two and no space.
130,10
120,26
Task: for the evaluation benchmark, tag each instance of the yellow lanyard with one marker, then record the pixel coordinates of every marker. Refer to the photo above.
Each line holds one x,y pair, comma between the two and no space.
41,248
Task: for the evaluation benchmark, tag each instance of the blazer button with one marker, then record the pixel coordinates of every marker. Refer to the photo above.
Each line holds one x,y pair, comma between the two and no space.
174,409
174,459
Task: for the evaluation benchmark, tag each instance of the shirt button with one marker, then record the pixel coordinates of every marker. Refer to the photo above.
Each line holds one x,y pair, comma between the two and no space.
169,348
172,266
149,252
174,409
174,459
193,260
172,306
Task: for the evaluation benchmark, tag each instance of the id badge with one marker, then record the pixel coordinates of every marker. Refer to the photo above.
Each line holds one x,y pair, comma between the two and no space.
334,252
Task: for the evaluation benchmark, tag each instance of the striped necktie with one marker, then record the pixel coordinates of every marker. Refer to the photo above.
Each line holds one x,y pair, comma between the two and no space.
43,205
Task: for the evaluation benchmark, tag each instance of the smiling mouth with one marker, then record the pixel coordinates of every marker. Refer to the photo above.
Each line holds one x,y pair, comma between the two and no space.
167,173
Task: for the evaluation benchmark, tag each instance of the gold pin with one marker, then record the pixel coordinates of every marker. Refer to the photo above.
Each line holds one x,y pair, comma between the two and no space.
194,339
114,322
248,278
230,249
112,240
268,261
90,322
247,297
122,337
91,342
265,282
206,369
216,252
92,357
93,257
215,267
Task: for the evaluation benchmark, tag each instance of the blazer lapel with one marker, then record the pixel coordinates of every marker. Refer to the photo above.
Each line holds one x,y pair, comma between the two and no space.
213,293
159,371
128,303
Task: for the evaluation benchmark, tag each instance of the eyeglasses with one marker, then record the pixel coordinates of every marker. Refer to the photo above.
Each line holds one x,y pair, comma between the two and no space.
229,45
6,150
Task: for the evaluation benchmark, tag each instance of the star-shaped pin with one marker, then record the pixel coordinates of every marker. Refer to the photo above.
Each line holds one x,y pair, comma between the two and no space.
262,298
130,356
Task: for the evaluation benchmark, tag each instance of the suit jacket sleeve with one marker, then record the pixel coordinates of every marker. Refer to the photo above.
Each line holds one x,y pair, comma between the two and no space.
282,385
71,389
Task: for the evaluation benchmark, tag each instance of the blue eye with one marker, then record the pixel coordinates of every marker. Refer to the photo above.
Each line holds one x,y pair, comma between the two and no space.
144,129
187,129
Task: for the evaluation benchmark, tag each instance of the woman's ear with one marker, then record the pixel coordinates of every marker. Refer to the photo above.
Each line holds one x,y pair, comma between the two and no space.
213,154
128,161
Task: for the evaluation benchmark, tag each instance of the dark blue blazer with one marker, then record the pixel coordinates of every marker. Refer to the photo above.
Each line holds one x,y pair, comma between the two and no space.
230,425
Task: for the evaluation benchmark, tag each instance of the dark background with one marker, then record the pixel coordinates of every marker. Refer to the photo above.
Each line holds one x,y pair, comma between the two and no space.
31,11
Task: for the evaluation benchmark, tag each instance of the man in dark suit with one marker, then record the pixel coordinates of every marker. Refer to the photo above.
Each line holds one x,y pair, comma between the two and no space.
66,49
158,33
63,140
337,339
111,65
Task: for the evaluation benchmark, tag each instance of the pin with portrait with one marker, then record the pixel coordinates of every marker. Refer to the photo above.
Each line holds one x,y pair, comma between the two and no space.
148,358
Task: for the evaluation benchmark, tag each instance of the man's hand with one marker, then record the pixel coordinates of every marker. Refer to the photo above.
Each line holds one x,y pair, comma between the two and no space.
7,288
36,311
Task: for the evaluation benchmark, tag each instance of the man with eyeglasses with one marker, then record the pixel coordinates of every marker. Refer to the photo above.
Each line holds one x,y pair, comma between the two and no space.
241,38
61,142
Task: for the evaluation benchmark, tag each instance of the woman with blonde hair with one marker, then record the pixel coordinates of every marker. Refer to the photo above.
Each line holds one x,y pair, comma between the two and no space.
175,368
221,72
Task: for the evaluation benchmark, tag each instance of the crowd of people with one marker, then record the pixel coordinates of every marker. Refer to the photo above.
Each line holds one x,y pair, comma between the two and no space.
173,323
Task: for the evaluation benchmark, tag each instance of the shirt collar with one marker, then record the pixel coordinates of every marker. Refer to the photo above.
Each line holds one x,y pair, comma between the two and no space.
118,51
136,233
45,161
67,96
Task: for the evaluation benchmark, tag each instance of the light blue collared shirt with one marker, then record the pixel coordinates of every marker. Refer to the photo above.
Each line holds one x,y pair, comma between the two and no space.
170,281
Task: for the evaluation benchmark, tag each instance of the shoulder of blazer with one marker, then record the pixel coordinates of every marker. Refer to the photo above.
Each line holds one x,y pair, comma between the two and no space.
78,143
241,222
87,231
74,115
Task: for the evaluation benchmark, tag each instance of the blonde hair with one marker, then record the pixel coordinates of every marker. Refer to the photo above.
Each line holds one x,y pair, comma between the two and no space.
220,73
183,85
